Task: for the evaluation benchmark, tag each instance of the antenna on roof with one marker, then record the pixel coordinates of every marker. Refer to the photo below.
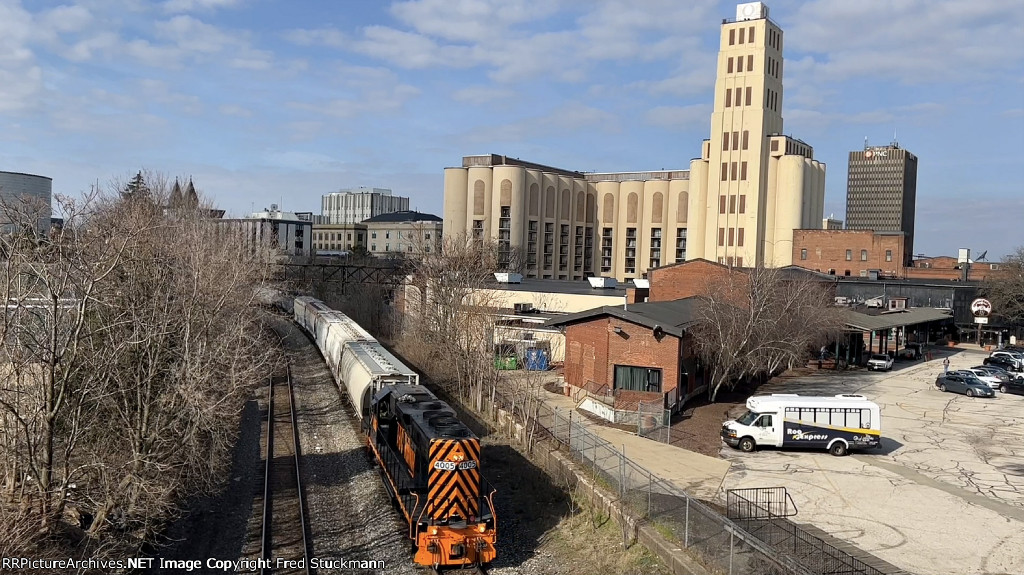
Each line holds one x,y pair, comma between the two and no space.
982,256
895,140
865,142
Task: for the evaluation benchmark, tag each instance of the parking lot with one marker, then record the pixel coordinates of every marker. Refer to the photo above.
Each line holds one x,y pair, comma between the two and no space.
945,493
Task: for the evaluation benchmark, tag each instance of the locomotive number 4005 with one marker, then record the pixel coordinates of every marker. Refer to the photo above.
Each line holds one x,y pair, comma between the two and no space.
452,466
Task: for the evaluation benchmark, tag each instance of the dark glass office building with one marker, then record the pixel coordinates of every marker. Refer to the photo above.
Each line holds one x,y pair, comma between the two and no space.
881,192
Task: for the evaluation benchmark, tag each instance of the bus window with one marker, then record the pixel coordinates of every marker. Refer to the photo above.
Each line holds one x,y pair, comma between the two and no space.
838,417
865,418
821,416
853,418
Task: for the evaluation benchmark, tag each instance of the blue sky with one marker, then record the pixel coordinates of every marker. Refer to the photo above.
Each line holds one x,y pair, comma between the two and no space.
264,101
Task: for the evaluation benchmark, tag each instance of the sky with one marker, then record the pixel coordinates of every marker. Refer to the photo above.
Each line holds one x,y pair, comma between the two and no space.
273,101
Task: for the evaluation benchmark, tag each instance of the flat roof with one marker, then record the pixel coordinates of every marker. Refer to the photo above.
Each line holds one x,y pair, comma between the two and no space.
891,319
671,316
573,287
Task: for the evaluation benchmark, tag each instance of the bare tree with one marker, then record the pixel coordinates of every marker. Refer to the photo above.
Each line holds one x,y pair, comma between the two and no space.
1005,289
754,323
129,343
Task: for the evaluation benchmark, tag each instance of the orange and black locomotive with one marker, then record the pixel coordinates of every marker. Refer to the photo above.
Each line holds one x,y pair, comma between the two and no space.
431,466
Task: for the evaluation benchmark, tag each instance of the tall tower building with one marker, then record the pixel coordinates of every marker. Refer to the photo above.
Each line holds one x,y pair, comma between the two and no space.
752,185
881,192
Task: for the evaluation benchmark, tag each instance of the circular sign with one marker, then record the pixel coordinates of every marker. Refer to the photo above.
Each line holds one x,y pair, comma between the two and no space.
748,10
868,154
981,307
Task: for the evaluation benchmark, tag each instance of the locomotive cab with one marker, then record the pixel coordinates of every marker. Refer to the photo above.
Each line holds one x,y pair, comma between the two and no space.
431,465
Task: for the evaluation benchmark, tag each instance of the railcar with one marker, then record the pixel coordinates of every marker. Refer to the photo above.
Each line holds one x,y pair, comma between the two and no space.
430,462
365,368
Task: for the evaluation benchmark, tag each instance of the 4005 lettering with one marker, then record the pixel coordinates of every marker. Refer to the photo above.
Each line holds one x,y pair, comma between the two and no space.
452,466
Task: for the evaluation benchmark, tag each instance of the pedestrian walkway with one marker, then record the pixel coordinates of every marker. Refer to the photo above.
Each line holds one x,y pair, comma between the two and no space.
698,475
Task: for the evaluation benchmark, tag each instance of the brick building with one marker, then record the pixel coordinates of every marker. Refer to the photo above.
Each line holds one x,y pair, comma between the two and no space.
850,252
636,352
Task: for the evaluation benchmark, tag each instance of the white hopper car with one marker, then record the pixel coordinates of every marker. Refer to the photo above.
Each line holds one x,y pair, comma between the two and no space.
356,359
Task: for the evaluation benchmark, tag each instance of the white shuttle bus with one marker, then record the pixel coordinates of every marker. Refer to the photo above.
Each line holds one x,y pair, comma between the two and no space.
838,423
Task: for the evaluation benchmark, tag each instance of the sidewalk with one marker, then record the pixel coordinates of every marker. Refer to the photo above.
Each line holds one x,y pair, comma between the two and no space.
699,475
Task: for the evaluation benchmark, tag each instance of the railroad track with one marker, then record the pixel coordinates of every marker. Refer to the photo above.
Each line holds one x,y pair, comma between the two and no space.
283,538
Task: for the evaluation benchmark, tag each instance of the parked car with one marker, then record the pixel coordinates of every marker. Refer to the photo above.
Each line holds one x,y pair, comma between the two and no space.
987,378
1001,373
1016,358
1015,386
966,384
1003,363
879,362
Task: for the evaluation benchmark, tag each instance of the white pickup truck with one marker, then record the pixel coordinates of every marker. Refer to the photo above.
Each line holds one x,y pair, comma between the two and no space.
879,362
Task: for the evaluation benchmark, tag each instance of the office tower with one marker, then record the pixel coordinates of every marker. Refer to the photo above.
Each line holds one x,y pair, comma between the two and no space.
881,192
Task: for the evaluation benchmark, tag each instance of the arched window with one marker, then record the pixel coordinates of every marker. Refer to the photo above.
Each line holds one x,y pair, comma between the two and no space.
506,192
478,198
657,207
631,201
682,209
534,199
609,209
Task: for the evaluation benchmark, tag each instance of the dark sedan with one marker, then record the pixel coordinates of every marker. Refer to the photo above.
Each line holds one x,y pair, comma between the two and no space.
968,385
1003,364
1015,386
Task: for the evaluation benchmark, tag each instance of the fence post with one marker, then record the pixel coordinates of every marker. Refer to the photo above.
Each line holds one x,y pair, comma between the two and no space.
732,537
686,525
650,490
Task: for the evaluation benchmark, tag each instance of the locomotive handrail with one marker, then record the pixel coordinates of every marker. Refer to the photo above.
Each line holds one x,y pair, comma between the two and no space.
413,525
494,515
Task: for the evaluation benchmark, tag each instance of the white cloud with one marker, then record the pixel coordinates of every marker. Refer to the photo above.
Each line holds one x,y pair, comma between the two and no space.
316,37
177,6
66,18
21,79
235,110
911,41
364,90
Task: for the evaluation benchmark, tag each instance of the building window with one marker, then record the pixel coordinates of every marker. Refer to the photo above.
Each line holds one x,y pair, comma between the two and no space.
728,97
742,32
721,237
725,171
743,170
387,247
531,243
739,238
733,170
803,253
746,138
849,257
721,204
735,140
729,70
374,234
350,236
373,247
732,236
630,267
549,244
732,204
750,63
606,249
739,260
637,378
775,145
749,92
725,141
739,96
751,38
655,248
732,36
888,255
743,203
863,255
680,245
739,64
426,236
387,235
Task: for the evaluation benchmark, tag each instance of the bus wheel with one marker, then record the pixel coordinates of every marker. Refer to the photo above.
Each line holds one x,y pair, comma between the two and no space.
838,449
747,444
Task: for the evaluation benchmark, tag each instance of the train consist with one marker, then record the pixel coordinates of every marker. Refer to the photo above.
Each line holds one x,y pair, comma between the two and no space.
429,460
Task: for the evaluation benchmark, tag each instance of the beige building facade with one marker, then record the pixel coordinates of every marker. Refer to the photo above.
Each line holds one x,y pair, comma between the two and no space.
338,237
752,185
738,203
403,232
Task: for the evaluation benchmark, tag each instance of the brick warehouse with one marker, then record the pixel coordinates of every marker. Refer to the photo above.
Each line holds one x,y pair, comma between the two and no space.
640,351
850,252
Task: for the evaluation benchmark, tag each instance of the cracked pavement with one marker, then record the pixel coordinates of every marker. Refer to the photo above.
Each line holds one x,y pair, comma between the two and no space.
945,493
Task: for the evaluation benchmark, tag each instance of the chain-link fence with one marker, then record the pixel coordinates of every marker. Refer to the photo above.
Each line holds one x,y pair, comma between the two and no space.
722,546
654,421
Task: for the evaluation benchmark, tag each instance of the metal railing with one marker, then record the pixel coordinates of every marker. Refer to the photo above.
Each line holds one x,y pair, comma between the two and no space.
725,546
